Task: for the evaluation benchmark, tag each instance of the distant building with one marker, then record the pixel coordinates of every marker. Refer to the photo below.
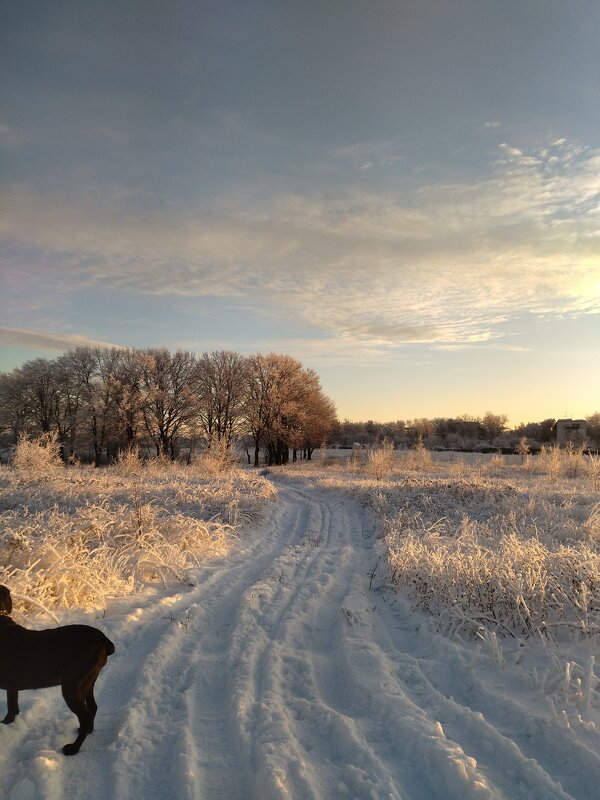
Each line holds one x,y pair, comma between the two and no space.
570,430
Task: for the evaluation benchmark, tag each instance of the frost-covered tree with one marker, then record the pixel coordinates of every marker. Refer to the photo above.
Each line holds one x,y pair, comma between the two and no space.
318,415
285,406
14,412
39,393
493,425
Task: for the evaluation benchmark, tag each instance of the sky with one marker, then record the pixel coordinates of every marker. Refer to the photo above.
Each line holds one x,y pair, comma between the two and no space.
403,195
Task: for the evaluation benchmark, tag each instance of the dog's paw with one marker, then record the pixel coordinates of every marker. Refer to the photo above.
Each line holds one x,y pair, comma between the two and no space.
70,749
7,719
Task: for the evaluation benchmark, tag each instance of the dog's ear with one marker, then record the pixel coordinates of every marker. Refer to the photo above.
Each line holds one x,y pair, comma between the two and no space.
5,600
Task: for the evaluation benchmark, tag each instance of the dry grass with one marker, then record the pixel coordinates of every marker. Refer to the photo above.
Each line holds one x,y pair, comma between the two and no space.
73,536
489,544
380,461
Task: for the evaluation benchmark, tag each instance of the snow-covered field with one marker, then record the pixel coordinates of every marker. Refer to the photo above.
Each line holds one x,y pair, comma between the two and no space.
302,661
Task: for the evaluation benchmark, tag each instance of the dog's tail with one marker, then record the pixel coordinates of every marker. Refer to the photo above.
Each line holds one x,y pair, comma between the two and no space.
108,646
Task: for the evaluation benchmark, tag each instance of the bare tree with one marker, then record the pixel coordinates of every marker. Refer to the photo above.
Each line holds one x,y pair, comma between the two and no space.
169,385
221,381
14,407
100,387
593,427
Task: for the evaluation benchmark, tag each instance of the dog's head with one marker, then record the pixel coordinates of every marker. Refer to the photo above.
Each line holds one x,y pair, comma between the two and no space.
5,600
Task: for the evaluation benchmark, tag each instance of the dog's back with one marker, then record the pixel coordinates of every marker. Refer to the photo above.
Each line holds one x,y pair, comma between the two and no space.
38,659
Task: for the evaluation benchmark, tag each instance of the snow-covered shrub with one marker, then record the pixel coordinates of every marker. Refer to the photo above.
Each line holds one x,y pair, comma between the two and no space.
218,459
493,466
380,460
36,458
418,458
592,466
522,449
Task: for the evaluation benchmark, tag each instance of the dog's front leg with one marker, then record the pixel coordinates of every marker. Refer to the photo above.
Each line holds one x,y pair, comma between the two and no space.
12,706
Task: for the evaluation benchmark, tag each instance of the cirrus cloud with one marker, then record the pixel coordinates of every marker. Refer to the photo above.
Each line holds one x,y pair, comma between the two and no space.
446,263
40,340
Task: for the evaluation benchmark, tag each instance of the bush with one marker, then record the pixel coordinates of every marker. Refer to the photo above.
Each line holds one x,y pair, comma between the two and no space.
380,460
419,458
37,458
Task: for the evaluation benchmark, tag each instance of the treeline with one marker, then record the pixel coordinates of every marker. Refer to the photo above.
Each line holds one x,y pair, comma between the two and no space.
100,402
455,433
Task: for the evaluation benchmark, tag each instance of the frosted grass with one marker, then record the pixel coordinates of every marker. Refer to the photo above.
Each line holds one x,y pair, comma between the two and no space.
74,536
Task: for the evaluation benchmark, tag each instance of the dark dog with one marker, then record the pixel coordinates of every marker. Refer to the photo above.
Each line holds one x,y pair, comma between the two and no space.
70,657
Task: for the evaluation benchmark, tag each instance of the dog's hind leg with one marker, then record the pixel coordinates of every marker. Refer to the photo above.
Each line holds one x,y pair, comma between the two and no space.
90,703
12,706
74,699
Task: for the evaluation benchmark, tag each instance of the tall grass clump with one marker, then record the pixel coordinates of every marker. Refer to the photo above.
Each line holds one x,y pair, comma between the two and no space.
417,459
358,458
565,462
380,460
573,460
494,465
592,464
550,461
37,458
65,559
218,459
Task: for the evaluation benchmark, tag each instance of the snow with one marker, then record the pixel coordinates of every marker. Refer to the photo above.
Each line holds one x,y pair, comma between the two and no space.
287,669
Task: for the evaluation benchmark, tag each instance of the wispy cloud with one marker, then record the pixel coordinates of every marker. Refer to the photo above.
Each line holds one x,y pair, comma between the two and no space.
316,352
447,263
11,139
38,340
367,155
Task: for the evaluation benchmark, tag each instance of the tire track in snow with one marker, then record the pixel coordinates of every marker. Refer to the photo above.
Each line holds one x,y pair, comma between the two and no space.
203,759
302,748
398,715
442,749
336,713
500,731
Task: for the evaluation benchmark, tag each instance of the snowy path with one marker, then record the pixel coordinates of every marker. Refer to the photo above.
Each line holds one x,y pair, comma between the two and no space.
279,674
